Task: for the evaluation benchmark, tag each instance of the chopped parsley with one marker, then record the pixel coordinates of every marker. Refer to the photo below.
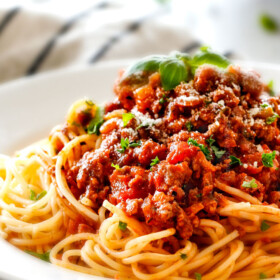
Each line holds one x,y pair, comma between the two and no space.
126,117
267,159
264,226
124,145
122,226
183,256
96,122
218,153
264,105
262,275
210,141
189,126
235,160
41,195
250,184
268,23
203,149
116,166
35,197
163,99
44,256
155,161
272,119
197,276
32,195
270,87
134,144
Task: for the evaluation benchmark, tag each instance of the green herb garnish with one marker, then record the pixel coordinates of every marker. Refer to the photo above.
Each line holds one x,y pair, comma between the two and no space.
264,105
235,160
183,256
210,141
134,144
264,226
126,117
197,276
89,103
267,159
268,23
218,153
96,122
270,87
32,195
262,275
41,195
172,72
116,166
250,184
35,197
124,145
44,256
177,67
189,126
122,226
272,119
154,161
203,148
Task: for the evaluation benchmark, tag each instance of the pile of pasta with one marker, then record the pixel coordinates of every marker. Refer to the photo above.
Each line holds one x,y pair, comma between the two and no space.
36,205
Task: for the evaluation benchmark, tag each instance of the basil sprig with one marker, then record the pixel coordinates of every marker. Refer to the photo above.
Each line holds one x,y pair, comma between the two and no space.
176,67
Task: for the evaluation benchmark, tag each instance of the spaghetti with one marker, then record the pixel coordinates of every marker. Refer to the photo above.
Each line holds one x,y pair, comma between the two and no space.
145,192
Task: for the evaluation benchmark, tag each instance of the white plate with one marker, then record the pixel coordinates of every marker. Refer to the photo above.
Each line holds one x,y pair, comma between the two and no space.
29,108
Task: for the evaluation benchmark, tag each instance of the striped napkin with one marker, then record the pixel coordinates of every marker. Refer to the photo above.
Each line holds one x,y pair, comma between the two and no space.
49,34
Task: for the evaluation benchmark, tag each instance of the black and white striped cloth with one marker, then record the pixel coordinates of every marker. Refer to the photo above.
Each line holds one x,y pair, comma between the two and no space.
48,34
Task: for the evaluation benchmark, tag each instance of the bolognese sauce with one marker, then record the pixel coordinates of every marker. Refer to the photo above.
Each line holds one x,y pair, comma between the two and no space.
164,160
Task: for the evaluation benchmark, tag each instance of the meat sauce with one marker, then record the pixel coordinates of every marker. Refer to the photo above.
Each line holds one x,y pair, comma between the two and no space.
180,144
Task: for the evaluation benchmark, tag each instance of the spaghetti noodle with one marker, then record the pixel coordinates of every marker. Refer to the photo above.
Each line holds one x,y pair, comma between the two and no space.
163,192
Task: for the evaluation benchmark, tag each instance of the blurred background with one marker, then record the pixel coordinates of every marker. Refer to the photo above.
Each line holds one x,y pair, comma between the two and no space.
43,35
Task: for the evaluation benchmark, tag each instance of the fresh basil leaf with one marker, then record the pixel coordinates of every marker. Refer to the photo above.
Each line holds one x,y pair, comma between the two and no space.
185,57
148,63
268,23
44,256
96,122
267,159
172,72
209,57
